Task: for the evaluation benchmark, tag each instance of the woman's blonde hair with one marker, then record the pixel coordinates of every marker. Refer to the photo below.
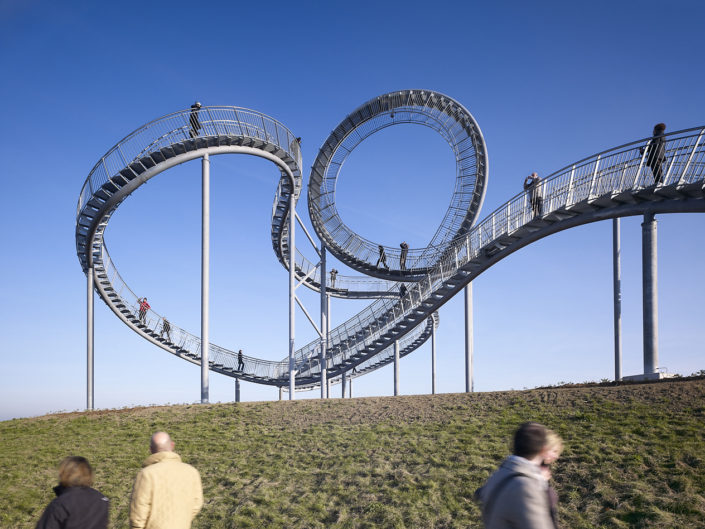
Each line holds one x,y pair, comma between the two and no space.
554,441
75,471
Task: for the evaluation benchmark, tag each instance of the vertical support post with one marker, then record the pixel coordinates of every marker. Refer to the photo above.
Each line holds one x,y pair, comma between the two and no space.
343,385
324,326
396,367
617,288
350,392
433,360
281,392
328,388
89,339
649,260
468,339
292,303
237,390
205,273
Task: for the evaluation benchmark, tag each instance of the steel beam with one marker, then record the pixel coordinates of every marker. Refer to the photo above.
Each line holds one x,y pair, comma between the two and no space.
89,339
396,367
433,359
649,260
205,273
292,303
324,326
468,339
617,292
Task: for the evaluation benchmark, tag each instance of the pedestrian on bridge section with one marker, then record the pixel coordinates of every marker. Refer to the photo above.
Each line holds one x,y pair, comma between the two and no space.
76,505
333,276
402,257
517,494
144,307
532,184
193,120
382,257
166,329
656,152
167,493
240,363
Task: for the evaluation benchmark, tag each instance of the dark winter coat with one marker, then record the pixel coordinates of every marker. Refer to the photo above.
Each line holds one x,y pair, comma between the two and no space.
75,508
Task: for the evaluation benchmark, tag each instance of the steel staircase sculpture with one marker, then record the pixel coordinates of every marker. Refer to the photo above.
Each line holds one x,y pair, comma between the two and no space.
613,183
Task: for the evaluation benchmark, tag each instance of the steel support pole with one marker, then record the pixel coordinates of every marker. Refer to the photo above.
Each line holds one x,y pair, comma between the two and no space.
281,391
396,367
324,326
649,259
237,390
617,288
292,303
350,387
468,339
433,360
89,339
205,272
343,385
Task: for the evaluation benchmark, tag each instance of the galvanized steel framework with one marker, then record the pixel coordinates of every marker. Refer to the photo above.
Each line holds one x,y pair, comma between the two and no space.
611,184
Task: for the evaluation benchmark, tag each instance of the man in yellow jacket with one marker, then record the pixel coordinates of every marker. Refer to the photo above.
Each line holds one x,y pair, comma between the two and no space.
167,493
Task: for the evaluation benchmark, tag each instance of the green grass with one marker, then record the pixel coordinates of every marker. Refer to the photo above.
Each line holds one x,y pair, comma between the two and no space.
634,457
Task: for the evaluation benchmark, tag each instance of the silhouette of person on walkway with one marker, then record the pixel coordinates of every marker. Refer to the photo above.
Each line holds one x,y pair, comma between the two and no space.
532,184
166,329
402,257
193,119
144,307
382,257
333,276
402,291
656,152
240,362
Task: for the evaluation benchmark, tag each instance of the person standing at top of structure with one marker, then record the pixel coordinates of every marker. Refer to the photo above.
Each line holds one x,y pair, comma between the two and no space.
193,119
167,493
532,184
333,276
656,152
144,307
517,494
76,503
240,362
382,257
404,252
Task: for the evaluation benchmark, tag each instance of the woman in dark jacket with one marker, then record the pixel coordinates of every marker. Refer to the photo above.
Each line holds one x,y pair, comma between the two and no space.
77,505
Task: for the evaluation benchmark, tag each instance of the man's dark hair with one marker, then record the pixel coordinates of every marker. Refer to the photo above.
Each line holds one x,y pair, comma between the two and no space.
529,439
660,126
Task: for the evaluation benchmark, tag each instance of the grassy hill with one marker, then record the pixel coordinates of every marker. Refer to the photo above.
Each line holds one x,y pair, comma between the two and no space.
634,457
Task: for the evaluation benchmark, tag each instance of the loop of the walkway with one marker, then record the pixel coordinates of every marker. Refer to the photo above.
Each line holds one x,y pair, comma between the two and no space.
431,109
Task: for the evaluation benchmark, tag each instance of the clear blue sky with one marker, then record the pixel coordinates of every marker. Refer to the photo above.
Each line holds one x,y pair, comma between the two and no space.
548,82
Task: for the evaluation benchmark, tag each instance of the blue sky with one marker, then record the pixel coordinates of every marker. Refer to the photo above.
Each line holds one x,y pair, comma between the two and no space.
548,82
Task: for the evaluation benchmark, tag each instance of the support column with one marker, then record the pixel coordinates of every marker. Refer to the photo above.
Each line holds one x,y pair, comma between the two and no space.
89,338
205,273
433,360
281,390
649,258
343,385
324,326
468,339
396,367
292,303
237,390
351,387
617,288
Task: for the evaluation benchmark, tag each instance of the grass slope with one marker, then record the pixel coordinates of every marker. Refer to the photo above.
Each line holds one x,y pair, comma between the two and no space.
635,457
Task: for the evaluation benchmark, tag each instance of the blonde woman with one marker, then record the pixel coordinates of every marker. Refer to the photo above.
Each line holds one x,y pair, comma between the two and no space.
76,505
